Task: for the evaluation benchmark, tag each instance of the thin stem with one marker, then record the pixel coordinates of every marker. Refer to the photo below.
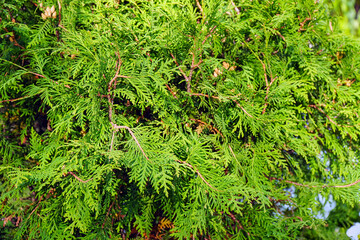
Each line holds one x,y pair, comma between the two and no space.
107,214
198,173
215,97
182,72
36,74
200,8
232,152
215,130
59,4
204,95
112,141
238,104
207,36
193,64
235,220
36,206
15,99
79,179
27,71
332,121
347,185
112,85
14,40
133,136
118,66
323,186
236,9
265,76
174,94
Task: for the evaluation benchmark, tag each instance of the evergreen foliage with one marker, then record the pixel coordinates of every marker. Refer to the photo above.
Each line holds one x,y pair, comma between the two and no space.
175,119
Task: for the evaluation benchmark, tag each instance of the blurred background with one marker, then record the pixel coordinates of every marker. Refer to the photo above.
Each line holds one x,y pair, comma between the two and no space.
347,14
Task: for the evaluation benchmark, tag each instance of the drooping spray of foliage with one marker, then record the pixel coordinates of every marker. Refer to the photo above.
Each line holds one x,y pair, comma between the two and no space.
183,119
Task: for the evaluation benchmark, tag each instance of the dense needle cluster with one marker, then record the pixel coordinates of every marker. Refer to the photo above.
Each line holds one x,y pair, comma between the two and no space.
175,119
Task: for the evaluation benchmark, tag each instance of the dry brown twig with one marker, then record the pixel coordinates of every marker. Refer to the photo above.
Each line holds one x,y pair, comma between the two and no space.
268,85
303,23
14,99
232,152
79,179
198,173
238,104
107,214
214,129
133,136
187,79
6,219
13,38
36,206
207,36
312,186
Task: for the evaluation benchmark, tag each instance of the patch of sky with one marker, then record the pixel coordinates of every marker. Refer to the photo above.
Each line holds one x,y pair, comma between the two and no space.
354,231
